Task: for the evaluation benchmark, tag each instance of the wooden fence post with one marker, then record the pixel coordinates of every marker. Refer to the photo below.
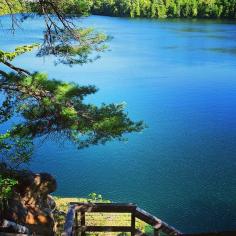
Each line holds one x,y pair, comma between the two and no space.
76,224
82,223
157,232
133,223
72,226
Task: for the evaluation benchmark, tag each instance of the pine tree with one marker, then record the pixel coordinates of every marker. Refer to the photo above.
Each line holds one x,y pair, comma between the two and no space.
52,108
154,9
161,9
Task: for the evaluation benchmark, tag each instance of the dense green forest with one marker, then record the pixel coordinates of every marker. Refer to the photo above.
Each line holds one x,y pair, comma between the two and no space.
166,8
147,8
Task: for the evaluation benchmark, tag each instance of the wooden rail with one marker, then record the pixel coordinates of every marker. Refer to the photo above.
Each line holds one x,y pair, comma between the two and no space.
73,227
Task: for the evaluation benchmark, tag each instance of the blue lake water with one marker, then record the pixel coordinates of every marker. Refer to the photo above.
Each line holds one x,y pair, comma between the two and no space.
179,76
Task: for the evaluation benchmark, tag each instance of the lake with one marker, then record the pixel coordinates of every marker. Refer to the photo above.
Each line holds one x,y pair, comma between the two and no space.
179,76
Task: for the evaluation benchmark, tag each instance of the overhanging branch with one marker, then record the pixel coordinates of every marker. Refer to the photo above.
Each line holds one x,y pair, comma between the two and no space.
17,69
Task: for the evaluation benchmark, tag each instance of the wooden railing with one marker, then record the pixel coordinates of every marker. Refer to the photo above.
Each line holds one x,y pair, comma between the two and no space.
75,226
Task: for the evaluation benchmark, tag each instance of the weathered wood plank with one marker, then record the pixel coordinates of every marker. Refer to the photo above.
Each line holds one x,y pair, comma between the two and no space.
105,207
148,218
11,234
156,223
82,223
17,227
133,223
76,223
70,217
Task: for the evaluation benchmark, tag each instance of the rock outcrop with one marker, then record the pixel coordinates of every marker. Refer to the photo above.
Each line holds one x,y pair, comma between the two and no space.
31,205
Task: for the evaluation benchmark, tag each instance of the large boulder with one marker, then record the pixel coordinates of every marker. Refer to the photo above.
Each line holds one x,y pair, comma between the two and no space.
31,205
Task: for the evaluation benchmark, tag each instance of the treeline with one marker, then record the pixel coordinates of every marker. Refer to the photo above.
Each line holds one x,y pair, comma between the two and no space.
154,8
165,8
144,8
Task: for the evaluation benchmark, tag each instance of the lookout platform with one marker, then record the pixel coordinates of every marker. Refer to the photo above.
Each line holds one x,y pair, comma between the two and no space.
76,223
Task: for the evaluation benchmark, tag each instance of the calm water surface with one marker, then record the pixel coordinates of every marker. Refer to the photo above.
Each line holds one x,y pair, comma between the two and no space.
178,76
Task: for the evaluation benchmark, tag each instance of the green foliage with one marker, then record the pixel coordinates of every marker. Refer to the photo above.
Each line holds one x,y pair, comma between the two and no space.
6,187
68,50
137,8
62,39
94,197
76,7
14,149
71,7
49,108
12,6
9,56
6,190
55,109
166,8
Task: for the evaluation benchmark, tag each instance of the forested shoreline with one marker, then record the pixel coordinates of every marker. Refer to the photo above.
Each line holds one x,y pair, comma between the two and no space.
165,8
214,9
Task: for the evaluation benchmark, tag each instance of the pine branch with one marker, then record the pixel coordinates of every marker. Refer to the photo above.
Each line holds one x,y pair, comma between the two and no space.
17,69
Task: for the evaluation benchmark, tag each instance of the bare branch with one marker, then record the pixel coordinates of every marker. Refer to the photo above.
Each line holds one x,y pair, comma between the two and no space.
17,69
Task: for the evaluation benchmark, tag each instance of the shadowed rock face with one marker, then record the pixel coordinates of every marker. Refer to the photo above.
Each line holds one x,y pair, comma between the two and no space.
31,204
